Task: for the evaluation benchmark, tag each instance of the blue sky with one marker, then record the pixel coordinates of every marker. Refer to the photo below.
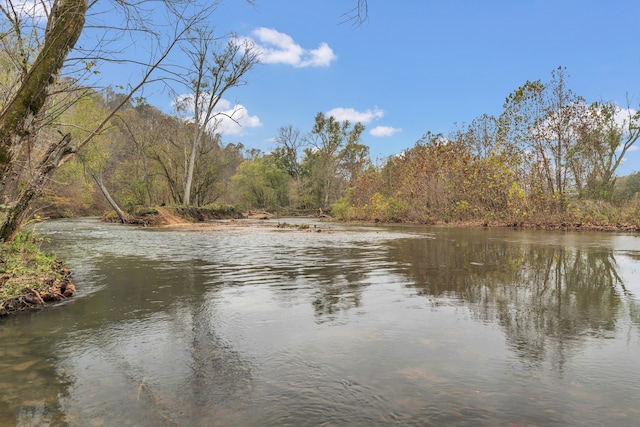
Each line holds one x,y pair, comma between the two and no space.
420,65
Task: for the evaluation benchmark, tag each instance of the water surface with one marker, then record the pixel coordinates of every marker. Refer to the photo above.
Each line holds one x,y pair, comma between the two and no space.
352,325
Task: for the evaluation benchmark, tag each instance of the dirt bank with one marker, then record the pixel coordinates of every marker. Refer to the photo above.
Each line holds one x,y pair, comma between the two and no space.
48,290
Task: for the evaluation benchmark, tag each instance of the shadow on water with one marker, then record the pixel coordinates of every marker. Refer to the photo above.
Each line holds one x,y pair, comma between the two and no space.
349,326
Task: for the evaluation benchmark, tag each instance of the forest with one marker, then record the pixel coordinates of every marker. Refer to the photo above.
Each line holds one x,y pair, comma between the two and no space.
72,148
549,159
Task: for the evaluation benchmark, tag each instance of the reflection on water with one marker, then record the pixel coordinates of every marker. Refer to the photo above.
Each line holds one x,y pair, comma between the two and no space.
348,326
538,294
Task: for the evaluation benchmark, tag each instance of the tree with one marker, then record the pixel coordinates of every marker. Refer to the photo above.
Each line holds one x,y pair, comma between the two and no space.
212,74
37,58
335,157
482,136
261,183
140,127
19,118
359,13
605,134
100,155
628,187
542,120
287,152
26,160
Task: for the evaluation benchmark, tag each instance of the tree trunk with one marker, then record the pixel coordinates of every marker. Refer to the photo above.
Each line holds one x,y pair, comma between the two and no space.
64,28
17,127
188,182
97,177
15,215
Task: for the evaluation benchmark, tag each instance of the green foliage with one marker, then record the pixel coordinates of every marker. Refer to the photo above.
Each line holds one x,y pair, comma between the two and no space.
628,187
386,209
494,170
131,189
379,208
143,211
334,160
24,265
537,164
69,194
595,212
261,183
630,212
343,208
140,157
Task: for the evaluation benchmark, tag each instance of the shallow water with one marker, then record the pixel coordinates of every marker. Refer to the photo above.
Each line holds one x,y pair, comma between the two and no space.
358,326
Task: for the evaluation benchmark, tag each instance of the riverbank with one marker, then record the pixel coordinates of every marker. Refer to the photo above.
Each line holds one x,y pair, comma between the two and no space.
163,215
171,216
29,278
550,226
202,216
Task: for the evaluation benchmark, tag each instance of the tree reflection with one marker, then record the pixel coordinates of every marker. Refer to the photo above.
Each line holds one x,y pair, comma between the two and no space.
339,275
218,376
143,349
32,386
174,364
545,297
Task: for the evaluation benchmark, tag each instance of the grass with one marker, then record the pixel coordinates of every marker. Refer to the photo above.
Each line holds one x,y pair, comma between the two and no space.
25,268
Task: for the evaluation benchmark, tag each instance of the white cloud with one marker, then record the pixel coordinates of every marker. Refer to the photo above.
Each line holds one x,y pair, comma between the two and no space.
342,114
229,119
364,117
320,57
382,131
623,116
29,9
241,120
279,48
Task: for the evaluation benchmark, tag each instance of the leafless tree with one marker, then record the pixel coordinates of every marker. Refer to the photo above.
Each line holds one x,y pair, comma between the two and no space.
41,45
213,70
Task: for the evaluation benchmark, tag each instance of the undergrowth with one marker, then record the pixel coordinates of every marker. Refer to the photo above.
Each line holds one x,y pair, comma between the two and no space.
24,265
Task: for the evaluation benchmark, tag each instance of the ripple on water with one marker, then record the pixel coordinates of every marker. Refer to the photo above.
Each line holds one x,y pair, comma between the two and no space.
353,325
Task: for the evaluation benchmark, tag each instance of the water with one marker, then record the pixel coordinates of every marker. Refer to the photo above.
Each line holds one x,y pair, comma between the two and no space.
357,326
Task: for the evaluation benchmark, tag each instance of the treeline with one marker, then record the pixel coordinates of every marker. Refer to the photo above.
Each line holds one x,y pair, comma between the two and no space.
142,159
549,158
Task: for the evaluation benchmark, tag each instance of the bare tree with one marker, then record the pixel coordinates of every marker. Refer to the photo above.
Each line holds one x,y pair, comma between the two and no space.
359,13
211,74
41,57
541,119
289,145
39,48
605,134
20,116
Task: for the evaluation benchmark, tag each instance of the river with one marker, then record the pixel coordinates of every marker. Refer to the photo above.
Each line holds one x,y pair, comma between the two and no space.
335,325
